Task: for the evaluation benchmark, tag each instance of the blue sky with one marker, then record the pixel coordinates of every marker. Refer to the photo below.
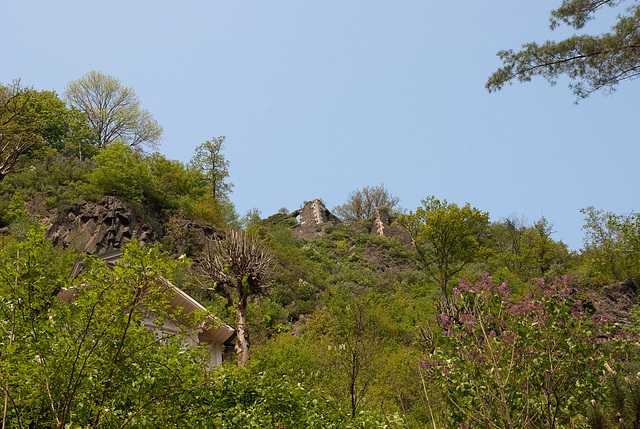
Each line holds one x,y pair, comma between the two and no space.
319,98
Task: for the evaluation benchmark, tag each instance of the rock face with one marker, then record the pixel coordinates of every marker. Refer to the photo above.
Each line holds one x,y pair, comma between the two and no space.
617,301
187,237
87,227
314,216
382,227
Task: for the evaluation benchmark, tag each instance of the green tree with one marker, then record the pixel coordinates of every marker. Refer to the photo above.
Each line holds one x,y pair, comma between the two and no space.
611,243
360,203
347,342
592,63
174,184
64,129
526,251
121,169
210,159
237,267
91,362
113,110
20,126
446,237
546,252
508,241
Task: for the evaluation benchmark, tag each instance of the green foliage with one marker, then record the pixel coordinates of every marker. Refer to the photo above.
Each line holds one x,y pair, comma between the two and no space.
521,252
592,63
210,160
535,362
241,399
621,408
64,129
251,218
611,244
113,111
216,212
342,352
31,120
174,178
120,169
49,181
447,237
278,220
91,361
15,210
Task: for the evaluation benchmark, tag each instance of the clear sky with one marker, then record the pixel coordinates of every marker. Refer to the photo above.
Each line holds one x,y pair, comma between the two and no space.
319,98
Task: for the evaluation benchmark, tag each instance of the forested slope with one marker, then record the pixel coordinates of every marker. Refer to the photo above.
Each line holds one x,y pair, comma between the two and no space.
382,317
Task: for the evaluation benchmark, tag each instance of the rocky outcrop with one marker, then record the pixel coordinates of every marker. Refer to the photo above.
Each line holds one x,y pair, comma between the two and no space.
616,301
90,227
187,236
314,217
381,226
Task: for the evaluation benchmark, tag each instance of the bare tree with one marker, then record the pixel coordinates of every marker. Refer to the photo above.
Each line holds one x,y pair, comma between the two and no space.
236,268
360,203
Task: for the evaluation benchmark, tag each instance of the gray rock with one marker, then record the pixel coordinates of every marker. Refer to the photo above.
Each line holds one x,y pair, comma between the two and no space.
314,217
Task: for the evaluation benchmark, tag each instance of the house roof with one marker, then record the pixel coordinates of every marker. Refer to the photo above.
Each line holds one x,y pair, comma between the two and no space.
110,256
211,330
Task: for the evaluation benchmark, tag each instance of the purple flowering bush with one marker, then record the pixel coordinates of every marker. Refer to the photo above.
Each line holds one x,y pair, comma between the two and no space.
536,362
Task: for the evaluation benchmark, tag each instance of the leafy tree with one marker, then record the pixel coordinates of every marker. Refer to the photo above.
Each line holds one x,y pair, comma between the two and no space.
545,251
237,267
20,127
49,180
210,159
446,237
174,185
360,203
113,111
62,128
221,213
121,169
526,251
508,240
348,344
611,243
592,63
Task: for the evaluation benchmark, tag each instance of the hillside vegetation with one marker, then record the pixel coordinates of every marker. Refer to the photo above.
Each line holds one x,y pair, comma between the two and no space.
432,317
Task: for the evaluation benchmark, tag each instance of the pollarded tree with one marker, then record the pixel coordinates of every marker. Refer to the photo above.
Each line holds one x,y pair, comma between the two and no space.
593,63
360,203
237,267
446,237
113,110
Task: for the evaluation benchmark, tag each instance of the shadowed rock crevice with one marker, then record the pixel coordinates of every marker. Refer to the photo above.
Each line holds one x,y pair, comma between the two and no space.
86,227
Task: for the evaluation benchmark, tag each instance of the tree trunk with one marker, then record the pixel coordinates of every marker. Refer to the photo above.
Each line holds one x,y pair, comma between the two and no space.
242,337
